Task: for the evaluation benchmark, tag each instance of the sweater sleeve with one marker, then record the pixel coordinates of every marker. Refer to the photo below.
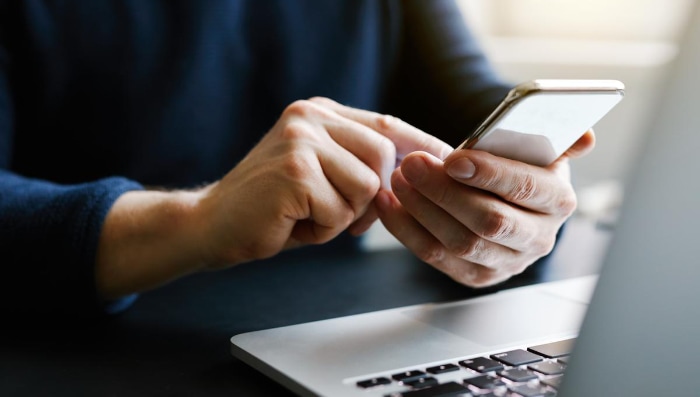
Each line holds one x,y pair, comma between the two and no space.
48,241
48,232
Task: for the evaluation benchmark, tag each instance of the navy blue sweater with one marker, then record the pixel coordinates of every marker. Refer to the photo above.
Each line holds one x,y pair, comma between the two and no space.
101,97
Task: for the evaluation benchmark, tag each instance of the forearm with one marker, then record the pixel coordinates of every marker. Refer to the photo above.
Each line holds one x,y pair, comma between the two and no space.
148,238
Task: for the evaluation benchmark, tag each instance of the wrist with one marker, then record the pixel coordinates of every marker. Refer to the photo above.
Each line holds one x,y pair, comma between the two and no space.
149,238
184,225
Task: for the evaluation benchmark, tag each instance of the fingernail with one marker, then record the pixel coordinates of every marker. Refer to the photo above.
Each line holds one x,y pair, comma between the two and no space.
462,168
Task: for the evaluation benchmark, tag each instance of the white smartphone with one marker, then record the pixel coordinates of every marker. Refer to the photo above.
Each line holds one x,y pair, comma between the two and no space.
540,119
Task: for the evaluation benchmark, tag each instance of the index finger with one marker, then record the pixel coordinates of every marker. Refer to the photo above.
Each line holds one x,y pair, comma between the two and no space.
406,137
582,146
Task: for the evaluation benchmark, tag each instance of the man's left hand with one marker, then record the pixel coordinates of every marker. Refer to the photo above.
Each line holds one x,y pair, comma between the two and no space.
476,217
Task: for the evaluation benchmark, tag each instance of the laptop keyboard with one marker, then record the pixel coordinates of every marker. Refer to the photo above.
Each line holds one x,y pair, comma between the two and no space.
533,372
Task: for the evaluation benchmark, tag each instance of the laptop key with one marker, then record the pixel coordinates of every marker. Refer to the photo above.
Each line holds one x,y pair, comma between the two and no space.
366,384
554,349
486,382
482,364
516,358
548,368
421,382
441,369
518,375
408,376
449,389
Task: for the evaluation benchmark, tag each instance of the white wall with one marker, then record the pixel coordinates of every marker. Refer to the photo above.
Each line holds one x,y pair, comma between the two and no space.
628,40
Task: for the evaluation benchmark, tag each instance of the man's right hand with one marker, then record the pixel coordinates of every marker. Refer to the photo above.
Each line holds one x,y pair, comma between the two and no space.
313,175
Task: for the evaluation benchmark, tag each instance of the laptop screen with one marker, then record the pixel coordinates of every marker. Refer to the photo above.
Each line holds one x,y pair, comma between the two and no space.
640,333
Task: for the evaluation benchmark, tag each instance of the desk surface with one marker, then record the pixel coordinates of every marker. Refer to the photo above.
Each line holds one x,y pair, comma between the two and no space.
175,341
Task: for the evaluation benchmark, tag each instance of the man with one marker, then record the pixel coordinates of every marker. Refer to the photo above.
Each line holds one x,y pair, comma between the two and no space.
130,150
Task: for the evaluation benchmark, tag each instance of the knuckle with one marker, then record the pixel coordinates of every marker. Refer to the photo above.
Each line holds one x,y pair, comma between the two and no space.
371,185
324,230
301,108
468,247
365,191
497,225
567,203
346,219
295,166
524,189
295,130
386,122
387,150
382,155
320,99
432,253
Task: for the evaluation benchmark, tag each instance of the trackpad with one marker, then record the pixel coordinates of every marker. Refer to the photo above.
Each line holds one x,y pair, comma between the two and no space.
503,319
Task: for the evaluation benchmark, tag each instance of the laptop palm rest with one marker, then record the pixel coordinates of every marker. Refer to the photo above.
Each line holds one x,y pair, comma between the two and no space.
502,318
338,352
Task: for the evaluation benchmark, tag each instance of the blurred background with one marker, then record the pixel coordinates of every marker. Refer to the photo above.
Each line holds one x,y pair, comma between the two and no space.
629,40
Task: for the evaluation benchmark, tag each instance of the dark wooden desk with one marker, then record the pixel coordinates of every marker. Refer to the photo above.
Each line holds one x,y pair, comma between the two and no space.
175,341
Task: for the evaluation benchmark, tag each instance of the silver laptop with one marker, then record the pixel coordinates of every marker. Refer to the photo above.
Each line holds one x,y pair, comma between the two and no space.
640,335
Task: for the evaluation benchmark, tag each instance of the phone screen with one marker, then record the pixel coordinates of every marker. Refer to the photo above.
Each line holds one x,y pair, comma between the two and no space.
539,126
